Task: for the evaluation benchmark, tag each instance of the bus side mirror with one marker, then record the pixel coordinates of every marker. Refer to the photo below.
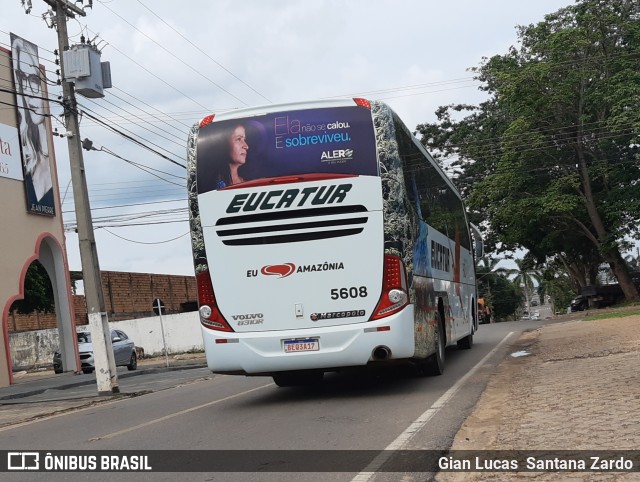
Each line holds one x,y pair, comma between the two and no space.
478,244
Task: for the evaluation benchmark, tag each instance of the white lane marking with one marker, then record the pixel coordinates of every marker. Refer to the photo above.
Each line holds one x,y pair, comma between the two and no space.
419,423
177,414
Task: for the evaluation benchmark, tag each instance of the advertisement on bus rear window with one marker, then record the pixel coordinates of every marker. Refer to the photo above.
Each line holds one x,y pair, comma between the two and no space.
337,140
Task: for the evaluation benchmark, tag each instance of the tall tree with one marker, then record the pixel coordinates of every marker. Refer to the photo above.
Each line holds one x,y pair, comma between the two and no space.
524,276
552,158
557,284
500,294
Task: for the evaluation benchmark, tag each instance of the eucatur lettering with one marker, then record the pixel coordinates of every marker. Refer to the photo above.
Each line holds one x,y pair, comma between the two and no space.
309,196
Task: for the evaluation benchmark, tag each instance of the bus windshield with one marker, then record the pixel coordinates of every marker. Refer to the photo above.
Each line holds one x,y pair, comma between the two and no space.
337,140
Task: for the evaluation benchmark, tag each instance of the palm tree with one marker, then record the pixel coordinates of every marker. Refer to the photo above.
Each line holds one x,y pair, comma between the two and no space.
557,282
524,276
488,263
500,294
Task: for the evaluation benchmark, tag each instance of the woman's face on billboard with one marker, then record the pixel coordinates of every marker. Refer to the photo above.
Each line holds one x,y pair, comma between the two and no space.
238,146
31,86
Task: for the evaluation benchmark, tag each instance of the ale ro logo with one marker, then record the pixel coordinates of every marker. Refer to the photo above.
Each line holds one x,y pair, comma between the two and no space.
337,155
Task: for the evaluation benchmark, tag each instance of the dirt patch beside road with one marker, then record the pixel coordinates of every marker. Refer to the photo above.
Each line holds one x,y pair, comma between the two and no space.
577,389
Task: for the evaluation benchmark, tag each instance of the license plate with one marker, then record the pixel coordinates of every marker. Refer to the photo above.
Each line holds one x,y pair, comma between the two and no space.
310,344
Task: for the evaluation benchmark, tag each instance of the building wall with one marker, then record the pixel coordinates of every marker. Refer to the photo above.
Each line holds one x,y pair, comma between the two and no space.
23,234
127,296
131,295
18,322
34,349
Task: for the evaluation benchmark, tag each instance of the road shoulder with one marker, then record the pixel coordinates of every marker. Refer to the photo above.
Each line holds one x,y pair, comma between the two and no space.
574,386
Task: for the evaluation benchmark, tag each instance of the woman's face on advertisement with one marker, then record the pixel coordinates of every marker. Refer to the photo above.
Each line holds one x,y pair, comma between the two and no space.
29,154
31,86
238,145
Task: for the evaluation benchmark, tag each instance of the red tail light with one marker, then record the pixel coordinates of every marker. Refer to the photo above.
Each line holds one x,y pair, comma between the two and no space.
394,288
207,120
210,316
362,102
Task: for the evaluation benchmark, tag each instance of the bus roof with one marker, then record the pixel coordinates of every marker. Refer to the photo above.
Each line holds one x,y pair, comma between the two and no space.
290,106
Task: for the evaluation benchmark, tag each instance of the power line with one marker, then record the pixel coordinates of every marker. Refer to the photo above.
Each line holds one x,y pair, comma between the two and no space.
203,52
131,205
525,137
136,141
174,55
143,242
142,167
156,76
56,73
170,116
140,125
147,120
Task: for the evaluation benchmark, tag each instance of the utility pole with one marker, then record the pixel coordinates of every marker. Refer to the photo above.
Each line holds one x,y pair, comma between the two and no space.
105,367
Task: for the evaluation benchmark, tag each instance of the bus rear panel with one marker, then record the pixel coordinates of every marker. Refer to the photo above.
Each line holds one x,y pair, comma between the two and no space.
300,262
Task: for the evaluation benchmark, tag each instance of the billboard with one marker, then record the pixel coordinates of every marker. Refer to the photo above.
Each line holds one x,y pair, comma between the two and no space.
10,160
333,140
32,108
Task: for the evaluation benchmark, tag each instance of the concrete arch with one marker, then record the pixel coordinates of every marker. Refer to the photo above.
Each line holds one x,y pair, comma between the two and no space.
52,256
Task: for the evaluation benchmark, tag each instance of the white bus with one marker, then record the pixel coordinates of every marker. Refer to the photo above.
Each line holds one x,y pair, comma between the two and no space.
325,236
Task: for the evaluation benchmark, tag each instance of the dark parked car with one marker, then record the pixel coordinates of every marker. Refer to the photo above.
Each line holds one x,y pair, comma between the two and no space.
124,352
579,303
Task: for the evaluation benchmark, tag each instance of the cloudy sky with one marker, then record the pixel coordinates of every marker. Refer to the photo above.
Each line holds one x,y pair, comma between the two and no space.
172,63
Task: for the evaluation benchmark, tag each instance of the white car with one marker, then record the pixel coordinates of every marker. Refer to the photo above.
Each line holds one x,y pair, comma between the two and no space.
124,352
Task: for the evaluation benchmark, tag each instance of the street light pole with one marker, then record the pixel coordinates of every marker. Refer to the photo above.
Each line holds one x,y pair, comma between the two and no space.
105,367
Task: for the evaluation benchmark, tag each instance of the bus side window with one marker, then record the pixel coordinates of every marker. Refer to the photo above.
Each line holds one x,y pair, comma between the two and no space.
423,204
424,209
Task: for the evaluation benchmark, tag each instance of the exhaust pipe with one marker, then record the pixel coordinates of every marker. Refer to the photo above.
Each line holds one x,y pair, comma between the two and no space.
381,353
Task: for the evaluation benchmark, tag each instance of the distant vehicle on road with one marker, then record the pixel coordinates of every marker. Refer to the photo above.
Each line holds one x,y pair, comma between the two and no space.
124,352
603,295
484,312
579,303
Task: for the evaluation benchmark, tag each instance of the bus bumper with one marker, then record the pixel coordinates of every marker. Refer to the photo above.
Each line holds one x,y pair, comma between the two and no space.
339,346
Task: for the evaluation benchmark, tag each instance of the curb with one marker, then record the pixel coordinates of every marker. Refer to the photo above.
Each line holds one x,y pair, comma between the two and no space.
66,386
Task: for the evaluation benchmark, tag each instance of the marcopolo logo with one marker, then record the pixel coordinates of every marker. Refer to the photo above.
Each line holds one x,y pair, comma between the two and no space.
337,314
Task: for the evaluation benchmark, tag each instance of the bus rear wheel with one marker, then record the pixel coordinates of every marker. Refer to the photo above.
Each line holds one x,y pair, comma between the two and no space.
436,361
297,378
434,364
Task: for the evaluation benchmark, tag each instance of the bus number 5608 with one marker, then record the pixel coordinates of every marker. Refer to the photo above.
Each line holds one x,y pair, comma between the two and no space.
353,292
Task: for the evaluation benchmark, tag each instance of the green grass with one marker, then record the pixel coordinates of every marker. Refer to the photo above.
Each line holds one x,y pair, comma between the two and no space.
613,314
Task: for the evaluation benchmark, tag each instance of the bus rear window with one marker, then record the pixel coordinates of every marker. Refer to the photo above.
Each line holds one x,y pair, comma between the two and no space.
336,140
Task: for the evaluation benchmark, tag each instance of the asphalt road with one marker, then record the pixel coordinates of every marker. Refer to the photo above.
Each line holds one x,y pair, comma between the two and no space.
360,410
